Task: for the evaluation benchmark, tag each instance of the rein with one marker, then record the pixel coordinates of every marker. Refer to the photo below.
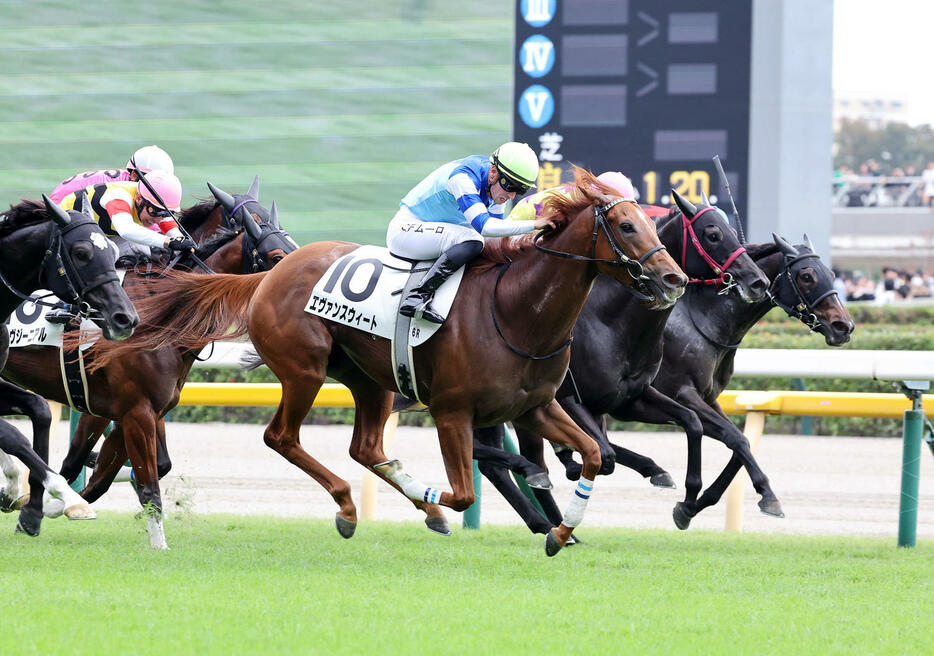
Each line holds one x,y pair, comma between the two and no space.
516,349
723,277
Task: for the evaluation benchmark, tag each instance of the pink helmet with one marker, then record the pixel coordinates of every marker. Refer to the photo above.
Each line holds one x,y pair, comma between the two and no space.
165,184
151,158
619,182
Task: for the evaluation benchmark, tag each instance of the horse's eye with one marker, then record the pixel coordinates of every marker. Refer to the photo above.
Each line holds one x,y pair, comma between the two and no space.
715,236
626,227
807,277
81,252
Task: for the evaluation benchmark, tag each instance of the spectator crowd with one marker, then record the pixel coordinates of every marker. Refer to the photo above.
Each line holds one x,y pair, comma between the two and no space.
895,285
869,186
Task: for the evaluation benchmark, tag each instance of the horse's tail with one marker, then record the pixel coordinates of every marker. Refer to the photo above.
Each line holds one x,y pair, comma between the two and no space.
250,360
185,310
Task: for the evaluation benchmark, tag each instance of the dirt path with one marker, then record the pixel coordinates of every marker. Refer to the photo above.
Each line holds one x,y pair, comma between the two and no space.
827,485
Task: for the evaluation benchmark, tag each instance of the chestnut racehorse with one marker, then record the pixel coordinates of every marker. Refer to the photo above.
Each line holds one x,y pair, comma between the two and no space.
471,374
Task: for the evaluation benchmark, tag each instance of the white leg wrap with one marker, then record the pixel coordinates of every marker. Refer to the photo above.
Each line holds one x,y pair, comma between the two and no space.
157,534
411,487
574,514
58,496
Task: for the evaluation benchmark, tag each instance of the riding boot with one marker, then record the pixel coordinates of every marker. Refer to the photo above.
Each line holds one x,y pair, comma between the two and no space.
418,303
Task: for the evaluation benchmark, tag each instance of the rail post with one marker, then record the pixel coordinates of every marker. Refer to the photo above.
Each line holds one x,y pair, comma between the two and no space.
912,431
472,514
755,423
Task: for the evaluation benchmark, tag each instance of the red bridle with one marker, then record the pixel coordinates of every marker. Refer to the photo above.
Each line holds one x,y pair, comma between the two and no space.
723,278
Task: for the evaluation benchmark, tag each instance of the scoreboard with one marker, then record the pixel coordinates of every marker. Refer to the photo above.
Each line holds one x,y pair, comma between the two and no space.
652,88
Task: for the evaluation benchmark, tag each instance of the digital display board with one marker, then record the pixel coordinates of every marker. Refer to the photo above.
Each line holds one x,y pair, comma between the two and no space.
652,88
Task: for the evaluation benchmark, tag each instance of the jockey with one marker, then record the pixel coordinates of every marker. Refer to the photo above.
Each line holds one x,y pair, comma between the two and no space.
530,207
450,212
132,216
146,159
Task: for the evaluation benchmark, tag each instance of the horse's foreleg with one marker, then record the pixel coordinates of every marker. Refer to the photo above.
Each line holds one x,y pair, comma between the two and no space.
85,436
593,424
553,423
14,493
139,436
718,426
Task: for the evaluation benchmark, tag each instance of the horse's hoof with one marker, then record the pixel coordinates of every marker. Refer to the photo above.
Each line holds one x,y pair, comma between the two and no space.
9,504
80,511
663,480
438,525
29,522
771,507
573,540
681,516
573,471
539,481
345,528
552,546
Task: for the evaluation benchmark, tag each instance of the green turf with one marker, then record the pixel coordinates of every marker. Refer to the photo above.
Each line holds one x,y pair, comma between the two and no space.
341,107
234,585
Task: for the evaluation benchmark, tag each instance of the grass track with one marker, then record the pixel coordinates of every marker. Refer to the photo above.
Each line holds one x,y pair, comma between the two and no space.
234,585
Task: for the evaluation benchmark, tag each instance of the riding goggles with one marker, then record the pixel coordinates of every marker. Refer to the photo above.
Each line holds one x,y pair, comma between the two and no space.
510,186
157,212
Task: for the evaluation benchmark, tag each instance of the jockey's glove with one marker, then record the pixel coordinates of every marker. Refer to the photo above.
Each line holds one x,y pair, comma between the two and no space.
181,243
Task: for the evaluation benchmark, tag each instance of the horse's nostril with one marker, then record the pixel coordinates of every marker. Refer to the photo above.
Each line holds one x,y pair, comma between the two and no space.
124,320
758,287
845,327
675,280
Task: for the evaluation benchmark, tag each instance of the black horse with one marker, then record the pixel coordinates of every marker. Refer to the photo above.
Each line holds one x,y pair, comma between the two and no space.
617,348
46,247
239,236
700,342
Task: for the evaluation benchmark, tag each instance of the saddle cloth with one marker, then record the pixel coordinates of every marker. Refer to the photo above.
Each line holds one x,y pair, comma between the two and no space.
28,326
363,290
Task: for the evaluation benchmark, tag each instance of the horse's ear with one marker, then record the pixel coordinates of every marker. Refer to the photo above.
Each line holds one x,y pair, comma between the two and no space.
705,199
807,242
225,199
784,246
252,229
684,204
274,216
81,203
254,189
56,213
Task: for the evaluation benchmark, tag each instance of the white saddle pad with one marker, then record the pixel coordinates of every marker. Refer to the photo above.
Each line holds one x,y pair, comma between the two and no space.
28,326
362,289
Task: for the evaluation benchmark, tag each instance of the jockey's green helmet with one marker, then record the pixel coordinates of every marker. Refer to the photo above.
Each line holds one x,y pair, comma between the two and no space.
518,166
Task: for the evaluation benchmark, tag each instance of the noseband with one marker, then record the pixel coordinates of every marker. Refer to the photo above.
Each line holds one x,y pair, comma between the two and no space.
800,306
723,277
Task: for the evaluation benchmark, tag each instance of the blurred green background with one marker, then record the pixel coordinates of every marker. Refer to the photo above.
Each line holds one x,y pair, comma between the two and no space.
340,107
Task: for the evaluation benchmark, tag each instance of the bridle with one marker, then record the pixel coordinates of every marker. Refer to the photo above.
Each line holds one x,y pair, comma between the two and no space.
785,293
723,277
59,274
633,267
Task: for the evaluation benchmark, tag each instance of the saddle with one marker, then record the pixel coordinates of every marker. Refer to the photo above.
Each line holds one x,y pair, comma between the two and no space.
364,289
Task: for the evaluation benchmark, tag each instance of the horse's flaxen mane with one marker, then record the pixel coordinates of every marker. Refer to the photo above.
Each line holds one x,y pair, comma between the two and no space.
560,207
24,213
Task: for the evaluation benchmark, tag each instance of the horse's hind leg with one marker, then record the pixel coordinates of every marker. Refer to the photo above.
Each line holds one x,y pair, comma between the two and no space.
14,493
302,372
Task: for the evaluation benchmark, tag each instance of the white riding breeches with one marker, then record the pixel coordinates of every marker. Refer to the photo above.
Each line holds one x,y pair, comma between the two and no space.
410,237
